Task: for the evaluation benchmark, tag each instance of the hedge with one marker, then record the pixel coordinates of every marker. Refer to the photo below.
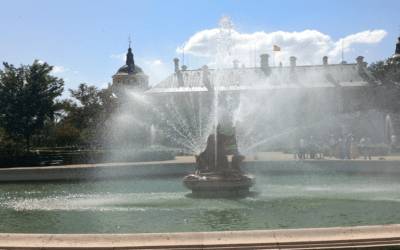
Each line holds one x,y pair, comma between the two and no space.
91,157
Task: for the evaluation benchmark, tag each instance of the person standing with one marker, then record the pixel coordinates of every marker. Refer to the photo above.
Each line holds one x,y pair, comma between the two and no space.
353,149
341,146
303,149
312,147
366,148
362,141
348,145
332,147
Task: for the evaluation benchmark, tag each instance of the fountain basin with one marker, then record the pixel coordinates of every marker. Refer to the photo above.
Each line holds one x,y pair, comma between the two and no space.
297,196
217,186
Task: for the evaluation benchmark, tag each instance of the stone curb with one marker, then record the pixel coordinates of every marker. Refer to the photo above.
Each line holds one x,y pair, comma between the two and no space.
362,237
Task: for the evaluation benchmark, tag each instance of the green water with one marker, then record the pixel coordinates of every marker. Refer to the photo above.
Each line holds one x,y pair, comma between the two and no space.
164,205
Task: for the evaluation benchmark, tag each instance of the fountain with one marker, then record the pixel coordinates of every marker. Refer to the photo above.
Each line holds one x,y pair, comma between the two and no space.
149,197
389,133
214,175
152,135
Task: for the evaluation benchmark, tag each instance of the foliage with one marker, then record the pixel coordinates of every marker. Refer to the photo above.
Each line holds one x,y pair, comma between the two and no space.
9,147
85,119
94,103
384,91
67,134
27,97
123,155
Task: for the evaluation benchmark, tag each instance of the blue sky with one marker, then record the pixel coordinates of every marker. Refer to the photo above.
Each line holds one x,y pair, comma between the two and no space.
86,40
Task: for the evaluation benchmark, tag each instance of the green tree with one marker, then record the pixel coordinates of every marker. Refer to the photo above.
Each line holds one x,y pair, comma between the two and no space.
384,91
91,112
67,135
27,97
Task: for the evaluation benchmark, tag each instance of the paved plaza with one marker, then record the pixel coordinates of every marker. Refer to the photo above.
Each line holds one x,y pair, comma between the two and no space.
262,156
280,156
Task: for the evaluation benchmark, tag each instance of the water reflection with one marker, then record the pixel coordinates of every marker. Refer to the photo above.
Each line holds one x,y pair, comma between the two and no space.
164,205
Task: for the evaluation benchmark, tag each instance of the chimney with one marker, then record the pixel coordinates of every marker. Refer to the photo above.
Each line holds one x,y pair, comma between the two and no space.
280,64
243,66
264,61
178,73
360,63
205,71
206,81
176,60
293,75
184,67
292,62
264,64
325,61
235,64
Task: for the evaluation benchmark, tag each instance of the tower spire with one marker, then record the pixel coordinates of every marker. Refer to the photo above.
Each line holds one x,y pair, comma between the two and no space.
129,58
398,44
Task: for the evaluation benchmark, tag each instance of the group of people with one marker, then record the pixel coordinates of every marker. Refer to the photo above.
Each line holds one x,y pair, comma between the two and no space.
345,147
309,149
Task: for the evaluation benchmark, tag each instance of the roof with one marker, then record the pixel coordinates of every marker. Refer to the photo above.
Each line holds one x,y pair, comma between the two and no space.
125,70
342,75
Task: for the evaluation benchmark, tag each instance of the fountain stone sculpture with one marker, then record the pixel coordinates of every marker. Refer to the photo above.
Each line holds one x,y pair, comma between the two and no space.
215,176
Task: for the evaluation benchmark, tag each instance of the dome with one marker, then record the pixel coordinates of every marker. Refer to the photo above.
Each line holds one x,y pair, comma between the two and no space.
395,59
127,70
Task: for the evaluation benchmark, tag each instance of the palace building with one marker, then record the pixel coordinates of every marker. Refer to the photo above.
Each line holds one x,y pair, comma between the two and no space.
291,94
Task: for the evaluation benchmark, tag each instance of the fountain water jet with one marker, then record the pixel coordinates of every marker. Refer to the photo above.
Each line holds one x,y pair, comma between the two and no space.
388,129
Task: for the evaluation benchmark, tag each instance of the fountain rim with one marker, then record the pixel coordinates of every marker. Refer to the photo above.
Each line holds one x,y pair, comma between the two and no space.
377,237
139,169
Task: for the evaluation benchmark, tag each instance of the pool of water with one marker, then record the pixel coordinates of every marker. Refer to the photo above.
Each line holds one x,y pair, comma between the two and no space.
156,205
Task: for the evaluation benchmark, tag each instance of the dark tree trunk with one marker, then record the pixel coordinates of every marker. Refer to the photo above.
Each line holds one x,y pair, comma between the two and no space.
27,144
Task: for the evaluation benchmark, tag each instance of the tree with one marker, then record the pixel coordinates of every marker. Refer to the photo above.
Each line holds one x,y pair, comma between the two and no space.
91,113
27,97
384,91
67,135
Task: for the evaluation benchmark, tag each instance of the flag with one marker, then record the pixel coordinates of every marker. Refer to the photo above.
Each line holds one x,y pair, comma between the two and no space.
276,48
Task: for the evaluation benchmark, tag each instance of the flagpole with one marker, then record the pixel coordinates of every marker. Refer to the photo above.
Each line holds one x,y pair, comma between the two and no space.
273,56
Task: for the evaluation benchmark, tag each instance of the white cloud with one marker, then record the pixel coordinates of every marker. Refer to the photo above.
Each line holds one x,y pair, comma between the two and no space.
309,46
155,69
211,64
367,36
104,85
158,62
59,69
76,72
120,56
40,61
154,63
